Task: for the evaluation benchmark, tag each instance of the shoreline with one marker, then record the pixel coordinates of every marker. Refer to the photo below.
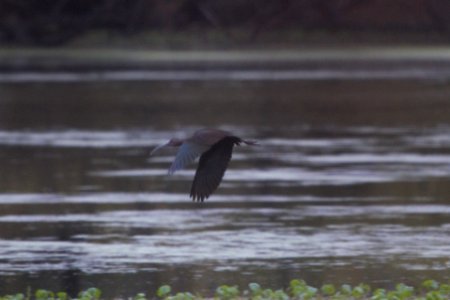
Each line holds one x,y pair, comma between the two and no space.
19,59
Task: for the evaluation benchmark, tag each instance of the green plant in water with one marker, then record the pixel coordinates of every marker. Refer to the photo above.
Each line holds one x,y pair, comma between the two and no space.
346,290
430,285
402,292
379,294
44,295
185,296
225,292
258,293
18,296
62,296
90,294
163,291
255,289
140,296
328,290
298,289
360,291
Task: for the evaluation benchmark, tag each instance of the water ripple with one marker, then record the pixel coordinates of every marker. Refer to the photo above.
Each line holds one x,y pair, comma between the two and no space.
243,245
343,195
231,75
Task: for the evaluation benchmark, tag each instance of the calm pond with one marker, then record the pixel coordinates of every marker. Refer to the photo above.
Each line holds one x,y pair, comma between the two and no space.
351,181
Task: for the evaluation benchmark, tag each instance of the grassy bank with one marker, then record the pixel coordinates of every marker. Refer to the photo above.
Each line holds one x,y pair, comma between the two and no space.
297,289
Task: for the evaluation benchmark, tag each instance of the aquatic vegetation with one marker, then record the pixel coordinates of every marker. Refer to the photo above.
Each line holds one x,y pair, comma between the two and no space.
225,292
42,294
297,290
164,293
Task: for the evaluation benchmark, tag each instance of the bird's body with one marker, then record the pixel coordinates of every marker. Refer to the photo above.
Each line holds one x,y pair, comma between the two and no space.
208,136
215,147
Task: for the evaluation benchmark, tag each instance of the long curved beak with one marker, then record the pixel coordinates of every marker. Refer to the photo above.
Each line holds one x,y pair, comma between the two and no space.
158,148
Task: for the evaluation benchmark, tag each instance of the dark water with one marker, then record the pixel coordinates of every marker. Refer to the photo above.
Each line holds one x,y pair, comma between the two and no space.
351,181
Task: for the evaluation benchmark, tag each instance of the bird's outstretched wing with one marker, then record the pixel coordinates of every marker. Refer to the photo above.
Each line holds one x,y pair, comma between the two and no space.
186,154
211,168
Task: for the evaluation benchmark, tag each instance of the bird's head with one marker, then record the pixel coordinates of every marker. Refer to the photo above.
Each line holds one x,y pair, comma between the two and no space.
174,142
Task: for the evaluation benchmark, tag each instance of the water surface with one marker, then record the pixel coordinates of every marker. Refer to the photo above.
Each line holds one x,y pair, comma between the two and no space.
350,182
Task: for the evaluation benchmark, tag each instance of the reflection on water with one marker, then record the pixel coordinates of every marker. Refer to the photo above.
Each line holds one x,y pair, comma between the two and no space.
338,191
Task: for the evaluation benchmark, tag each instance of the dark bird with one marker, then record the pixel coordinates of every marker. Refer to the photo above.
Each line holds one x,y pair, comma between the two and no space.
215,147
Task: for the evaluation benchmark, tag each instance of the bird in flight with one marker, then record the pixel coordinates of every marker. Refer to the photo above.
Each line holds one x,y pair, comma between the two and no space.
214,146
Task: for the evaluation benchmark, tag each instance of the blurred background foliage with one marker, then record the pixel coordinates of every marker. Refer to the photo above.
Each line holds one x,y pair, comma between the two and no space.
58,22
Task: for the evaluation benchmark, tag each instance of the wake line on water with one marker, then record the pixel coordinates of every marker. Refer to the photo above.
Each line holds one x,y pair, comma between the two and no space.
231,75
